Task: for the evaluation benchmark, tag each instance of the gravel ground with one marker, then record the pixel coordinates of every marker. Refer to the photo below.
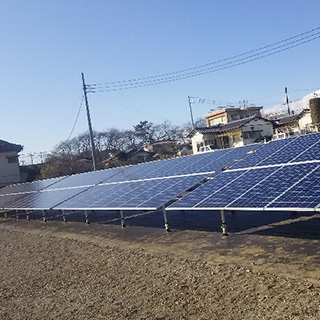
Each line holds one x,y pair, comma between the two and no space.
48,277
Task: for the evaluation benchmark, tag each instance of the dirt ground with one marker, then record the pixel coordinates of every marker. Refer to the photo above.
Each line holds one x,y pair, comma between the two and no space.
76,271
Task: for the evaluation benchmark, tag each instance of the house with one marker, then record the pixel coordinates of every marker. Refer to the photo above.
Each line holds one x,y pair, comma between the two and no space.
228,115
9,163
163,148
140,155
30,172
131,156
233,134
294,124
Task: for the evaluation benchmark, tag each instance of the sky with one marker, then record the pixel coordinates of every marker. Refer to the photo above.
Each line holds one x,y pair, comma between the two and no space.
46,45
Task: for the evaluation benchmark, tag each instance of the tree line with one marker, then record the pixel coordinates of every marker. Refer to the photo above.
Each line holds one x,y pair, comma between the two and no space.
74,155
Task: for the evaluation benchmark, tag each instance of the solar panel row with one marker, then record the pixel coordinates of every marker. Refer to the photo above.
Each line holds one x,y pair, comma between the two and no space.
282,187
141,194
292,150
178,166
206,163
298,149
146,194
259,178
29,186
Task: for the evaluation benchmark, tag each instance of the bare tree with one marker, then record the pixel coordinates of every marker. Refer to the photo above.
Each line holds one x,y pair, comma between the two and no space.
73,156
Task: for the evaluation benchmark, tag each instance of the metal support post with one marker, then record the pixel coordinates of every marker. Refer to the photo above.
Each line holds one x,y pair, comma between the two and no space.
17,215
166,224
28,215
5,215
86,216
122,219
223,223
64,217
44,219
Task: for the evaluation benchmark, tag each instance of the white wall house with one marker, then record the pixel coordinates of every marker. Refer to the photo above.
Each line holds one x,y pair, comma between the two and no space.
296,124
233,134
9,163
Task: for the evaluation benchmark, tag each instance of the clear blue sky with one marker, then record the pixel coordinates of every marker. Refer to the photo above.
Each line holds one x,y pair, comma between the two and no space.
45,45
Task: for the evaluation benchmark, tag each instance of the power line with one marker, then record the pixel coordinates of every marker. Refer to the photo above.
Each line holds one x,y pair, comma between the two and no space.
69,115
219,65
211,63
131,108
77,117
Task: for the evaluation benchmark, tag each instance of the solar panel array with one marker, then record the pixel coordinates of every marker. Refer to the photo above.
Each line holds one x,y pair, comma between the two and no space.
146,186
278,175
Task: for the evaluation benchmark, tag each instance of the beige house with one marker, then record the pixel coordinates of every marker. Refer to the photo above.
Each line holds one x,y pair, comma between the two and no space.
228,115
234,134
9,163
163,148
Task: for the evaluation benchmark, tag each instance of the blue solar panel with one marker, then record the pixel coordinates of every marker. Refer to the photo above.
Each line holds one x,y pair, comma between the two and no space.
261,153
176,166
162,192
29,186
149,170
273,186
206,190
152,184
99,196
42,200
9,200
235,189
140,189
292,150
228,159
172,191
305,194
311,153
87,179
202,161
106,195
136,194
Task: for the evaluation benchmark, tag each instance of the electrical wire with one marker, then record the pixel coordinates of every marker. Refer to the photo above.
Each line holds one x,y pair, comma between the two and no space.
216,62
247,57
131,108
76,120
67,118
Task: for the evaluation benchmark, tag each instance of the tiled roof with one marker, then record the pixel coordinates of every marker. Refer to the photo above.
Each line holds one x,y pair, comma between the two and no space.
220,128
237,124
287,119
213,129
7,146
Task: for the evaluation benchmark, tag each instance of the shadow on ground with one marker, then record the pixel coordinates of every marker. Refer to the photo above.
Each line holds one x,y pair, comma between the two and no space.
304,225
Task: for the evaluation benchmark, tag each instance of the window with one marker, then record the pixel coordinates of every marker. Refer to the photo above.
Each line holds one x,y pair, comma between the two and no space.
13,159
208,142
234,117
248,135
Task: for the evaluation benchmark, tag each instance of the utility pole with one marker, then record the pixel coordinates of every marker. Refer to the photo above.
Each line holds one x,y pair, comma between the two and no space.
287,99
31,157
93,149
190,107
